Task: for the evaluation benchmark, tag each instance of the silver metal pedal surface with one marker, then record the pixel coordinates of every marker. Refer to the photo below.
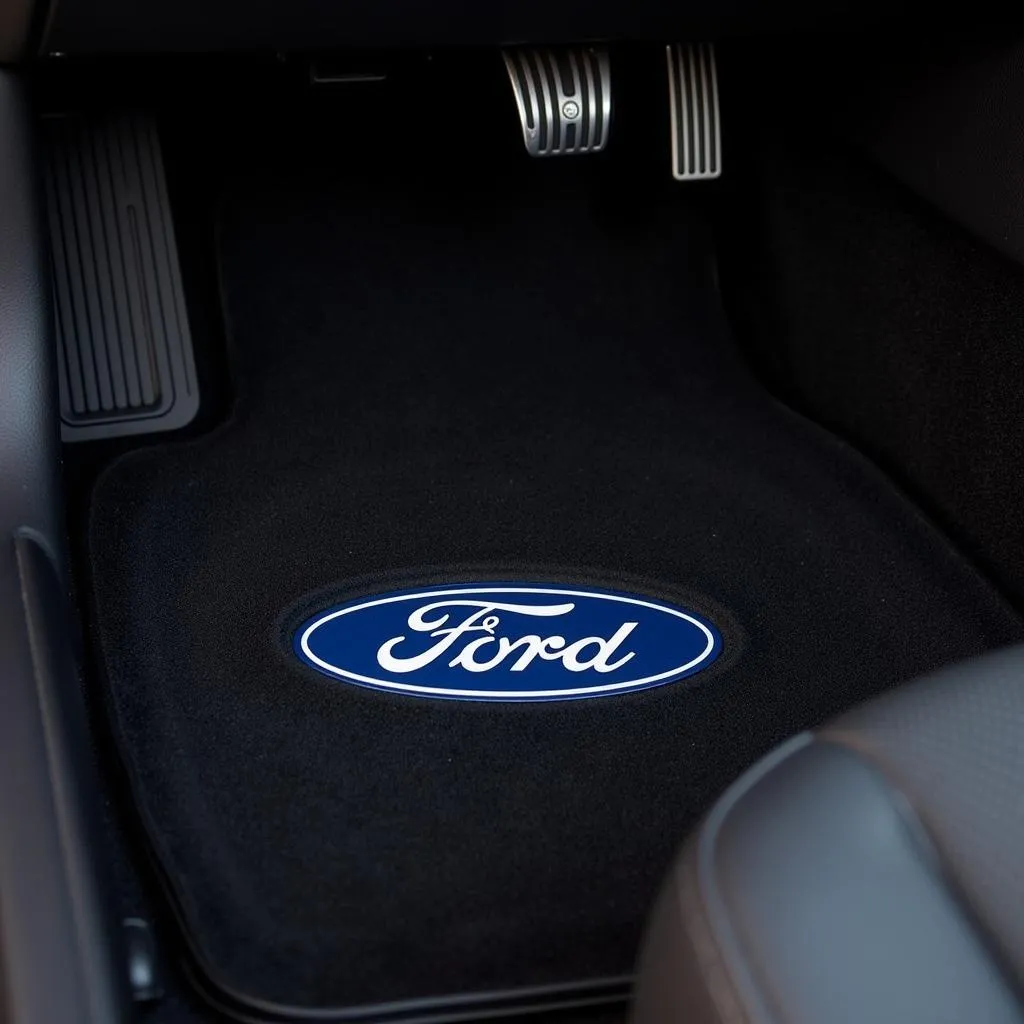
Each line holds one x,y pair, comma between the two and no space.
696,119
124,349
564,98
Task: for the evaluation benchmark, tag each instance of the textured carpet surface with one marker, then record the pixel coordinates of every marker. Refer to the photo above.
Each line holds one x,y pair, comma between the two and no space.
446,371
923,361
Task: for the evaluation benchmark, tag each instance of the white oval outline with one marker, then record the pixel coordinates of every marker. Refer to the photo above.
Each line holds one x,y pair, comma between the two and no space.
384,684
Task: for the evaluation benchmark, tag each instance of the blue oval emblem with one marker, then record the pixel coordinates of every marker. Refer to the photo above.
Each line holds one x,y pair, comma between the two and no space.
510,642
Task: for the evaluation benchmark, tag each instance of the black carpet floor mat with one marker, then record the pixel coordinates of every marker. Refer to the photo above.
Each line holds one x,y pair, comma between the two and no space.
444,376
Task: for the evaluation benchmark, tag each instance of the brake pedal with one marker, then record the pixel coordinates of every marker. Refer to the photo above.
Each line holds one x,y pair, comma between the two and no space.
696,119
564,98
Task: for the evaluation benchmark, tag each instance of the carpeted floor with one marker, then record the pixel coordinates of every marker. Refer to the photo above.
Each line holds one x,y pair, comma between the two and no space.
445,371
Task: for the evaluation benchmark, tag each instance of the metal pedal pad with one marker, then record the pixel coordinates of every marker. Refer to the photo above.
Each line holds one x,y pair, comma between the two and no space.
696,119
124,349
564,98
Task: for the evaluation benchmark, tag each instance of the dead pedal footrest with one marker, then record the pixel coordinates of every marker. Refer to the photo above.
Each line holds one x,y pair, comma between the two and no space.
124,347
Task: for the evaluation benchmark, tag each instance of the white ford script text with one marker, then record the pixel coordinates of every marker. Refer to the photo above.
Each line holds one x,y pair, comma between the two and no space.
482,653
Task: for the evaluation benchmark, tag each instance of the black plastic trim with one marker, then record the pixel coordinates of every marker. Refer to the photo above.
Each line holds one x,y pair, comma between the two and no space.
454,1009
16,23
58,942
208,26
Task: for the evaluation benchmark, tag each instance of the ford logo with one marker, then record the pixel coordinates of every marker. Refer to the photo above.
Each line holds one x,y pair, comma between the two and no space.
510,642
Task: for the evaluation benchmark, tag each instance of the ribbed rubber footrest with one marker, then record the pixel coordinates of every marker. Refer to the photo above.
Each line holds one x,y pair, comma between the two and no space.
564,98
696,120
123,342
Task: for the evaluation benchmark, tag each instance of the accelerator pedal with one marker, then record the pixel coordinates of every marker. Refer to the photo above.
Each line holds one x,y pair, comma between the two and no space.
124,349
564,98
696,119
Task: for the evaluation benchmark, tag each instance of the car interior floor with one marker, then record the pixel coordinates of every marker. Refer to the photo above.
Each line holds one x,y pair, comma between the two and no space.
424,357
